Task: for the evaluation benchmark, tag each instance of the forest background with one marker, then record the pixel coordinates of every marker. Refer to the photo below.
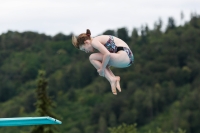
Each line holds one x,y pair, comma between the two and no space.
160,90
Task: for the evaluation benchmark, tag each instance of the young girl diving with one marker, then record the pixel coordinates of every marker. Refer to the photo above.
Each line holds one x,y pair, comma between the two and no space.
112,52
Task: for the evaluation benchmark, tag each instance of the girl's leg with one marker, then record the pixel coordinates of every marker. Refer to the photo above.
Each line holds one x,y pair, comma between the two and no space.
119,59
117,78
111,79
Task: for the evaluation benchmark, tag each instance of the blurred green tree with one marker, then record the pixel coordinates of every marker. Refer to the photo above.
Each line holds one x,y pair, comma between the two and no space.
43,105
109,32
122,33
171,24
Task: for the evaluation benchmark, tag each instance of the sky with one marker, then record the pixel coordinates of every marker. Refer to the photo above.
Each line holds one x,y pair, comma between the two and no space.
75,16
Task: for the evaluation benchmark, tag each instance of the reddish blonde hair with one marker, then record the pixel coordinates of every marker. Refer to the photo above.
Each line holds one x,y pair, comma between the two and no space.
77,42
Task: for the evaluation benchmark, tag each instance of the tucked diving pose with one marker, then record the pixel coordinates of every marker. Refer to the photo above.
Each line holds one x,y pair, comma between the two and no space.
112,52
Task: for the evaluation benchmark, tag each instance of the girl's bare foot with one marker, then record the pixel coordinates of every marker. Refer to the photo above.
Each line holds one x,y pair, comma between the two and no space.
118,83
113,86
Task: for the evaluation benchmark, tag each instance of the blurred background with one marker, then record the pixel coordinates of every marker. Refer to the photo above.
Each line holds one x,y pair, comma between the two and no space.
160,91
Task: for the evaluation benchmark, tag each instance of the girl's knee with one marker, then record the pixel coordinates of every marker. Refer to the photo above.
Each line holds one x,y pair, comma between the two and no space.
91,57
96,56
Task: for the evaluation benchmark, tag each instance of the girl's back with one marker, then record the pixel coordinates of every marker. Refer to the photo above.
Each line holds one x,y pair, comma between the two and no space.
104,38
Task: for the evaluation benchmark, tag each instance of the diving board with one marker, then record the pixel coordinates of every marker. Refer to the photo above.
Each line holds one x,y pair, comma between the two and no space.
27,121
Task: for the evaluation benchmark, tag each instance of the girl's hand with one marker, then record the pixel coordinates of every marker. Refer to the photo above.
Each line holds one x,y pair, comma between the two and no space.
101,72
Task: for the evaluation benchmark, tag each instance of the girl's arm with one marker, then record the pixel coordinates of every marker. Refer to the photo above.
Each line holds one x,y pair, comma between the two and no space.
101,48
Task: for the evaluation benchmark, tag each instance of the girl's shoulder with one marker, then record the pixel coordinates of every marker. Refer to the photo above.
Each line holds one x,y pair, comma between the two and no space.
102,37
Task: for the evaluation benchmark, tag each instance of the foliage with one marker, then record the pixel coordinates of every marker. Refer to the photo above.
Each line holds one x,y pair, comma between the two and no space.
43,104
124,128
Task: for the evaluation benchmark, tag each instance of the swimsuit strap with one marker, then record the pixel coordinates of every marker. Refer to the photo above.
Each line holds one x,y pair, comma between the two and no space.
111,38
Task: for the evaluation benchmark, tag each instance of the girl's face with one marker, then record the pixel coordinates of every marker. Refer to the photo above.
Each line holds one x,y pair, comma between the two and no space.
87,47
